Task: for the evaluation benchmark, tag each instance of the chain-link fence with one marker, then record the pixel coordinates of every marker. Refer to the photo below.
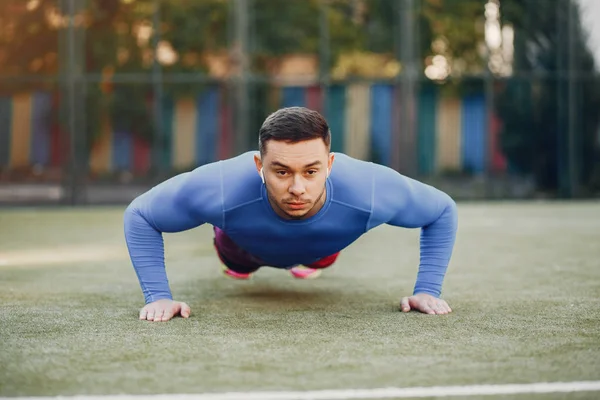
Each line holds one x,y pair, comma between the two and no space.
99,100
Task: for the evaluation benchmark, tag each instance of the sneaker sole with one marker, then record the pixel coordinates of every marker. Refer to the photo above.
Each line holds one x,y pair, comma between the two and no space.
312,275
234,275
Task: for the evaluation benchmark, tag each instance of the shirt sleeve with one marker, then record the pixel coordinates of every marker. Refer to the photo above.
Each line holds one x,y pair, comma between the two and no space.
401,201
180,203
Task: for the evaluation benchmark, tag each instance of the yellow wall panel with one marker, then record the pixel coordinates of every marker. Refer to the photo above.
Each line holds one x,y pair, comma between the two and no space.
184,133
20,144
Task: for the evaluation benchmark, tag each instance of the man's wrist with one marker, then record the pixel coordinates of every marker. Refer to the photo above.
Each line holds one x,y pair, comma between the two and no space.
430,292
153,298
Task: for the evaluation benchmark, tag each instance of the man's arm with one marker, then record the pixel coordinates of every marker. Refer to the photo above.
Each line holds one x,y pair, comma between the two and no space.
405,202
178,204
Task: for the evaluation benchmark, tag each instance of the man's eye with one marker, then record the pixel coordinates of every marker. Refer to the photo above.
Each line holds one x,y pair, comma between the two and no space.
282,173
312,171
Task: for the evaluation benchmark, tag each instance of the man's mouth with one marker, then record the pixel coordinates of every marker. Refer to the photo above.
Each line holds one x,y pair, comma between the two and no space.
296,205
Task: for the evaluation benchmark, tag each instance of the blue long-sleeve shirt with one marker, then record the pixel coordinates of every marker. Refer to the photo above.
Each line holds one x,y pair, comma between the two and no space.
229,194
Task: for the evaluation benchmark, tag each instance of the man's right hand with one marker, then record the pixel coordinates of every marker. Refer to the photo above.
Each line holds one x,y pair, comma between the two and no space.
164,309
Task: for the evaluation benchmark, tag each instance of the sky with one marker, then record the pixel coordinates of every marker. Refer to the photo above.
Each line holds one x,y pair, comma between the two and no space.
590,13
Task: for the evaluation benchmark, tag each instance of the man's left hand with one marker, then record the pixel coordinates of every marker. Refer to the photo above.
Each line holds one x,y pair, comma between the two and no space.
425,303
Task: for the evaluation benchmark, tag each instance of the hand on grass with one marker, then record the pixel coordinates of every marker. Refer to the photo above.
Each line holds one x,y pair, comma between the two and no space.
425,303
164,309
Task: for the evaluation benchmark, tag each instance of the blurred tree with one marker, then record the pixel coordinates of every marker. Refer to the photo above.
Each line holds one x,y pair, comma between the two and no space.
117,41
281,28
28,39
194,29
284,27
119,38
533,104
452,29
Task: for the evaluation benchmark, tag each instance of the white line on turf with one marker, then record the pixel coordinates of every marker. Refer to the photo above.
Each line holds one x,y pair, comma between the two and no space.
73,254
384,393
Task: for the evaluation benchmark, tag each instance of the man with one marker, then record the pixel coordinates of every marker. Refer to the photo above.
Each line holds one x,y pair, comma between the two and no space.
288,206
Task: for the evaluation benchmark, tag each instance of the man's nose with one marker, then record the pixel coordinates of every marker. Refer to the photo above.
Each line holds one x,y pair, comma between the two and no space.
297,188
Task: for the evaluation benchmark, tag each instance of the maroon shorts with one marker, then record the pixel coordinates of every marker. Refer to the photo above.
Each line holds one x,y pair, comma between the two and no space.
241,261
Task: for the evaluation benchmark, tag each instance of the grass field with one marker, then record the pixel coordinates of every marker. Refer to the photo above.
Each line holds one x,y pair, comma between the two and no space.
524,284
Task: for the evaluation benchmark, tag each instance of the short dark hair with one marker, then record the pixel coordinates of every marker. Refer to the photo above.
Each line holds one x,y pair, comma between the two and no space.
293,124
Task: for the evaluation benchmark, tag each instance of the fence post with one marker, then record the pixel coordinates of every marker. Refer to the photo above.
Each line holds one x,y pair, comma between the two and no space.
563,92
572,110
489,111
324,56
240,55
73,103
407,149
157,87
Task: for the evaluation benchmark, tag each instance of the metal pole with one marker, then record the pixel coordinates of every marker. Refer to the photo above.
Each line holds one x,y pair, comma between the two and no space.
572,118
241,55
489,102
561,153
83,93
394,151
324,56
157,86
70,90
408,139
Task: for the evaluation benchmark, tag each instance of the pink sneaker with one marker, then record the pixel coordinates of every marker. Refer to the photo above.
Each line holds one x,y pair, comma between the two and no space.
235,275
302,272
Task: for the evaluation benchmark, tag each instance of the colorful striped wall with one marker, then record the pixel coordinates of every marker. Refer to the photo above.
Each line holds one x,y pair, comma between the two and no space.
28,135
195,131
451,132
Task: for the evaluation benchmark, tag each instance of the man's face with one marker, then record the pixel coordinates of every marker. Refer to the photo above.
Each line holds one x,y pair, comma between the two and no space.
295,175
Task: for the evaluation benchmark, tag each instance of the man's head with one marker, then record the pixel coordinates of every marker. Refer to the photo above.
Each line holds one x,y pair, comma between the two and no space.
295,161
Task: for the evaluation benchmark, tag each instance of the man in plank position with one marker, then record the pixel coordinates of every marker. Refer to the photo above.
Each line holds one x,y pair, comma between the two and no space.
288,206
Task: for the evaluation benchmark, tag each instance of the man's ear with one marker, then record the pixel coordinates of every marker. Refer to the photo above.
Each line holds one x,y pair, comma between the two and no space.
330,163
259,165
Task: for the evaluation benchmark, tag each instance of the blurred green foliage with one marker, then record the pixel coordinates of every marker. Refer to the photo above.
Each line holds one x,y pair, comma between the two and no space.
534,103
116,37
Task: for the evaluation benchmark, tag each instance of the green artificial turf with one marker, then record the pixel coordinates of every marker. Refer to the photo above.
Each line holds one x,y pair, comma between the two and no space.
524,284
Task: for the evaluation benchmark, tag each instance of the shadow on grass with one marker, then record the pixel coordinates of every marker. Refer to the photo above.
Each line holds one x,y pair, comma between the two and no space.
297,296
279,295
